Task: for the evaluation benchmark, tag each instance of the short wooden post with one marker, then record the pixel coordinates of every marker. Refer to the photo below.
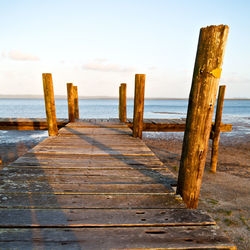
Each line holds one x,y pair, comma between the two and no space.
76,103
123,102
216,129
120,102
50,104
71,102
207,70
138,105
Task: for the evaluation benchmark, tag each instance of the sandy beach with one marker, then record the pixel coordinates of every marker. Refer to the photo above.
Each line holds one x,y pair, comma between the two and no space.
224,195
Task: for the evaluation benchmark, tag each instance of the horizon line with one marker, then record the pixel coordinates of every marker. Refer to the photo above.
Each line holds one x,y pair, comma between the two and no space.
103,97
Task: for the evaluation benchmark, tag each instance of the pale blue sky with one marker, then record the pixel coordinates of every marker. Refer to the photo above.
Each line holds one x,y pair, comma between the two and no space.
99,44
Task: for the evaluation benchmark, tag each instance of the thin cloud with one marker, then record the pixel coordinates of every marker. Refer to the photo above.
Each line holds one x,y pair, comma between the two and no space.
20,56
106,67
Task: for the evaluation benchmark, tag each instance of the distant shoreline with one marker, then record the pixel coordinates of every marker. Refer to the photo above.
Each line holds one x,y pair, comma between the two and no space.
98,97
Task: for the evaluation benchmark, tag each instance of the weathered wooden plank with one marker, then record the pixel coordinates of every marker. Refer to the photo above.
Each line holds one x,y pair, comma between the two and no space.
96,147
172,126
96,131
102,217
75,142
79,188
71,158
92,150
123,201
197,237
132,172
28,123
160,125
95,125
87,179
86,166
88,160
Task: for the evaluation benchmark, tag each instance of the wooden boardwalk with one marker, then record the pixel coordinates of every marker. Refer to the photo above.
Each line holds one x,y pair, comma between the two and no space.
94,186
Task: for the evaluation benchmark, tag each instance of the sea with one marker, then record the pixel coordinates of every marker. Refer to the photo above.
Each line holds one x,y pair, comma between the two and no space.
235,112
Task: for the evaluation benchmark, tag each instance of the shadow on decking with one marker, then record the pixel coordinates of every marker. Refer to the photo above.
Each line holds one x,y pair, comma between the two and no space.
136,165
20,213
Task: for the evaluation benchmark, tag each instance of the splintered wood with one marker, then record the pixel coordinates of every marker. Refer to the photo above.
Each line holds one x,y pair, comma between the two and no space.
94,186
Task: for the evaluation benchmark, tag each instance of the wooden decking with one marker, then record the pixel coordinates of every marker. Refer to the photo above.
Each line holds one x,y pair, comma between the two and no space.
94,186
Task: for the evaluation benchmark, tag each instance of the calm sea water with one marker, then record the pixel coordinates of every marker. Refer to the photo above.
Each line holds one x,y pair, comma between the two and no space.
236,112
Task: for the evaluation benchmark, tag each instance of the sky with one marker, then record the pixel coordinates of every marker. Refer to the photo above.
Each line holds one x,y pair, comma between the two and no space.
98,44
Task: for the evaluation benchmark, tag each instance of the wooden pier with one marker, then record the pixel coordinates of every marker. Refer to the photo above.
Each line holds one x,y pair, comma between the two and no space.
94,186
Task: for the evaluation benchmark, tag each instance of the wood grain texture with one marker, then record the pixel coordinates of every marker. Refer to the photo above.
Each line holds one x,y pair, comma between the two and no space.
76,102
186,237
206,76
138,105
50,104
123,102
103,217
217,129
71,102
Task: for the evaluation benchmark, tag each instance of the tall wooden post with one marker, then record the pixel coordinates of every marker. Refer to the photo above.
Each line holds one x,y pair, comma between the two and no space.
123,102
50,104
138,105
207,70
71,102
76,103
216,129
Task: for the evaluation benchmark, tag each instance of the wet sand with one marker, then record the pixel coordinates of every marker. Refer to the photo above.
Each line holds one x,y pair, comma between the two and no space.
224,195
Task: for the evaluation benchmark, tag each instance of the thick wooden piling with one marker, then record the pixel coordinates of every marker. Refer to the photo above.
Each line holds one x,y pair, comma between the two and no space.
50,104
123,102
71,102
76,103
207,70
138,105
216,129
